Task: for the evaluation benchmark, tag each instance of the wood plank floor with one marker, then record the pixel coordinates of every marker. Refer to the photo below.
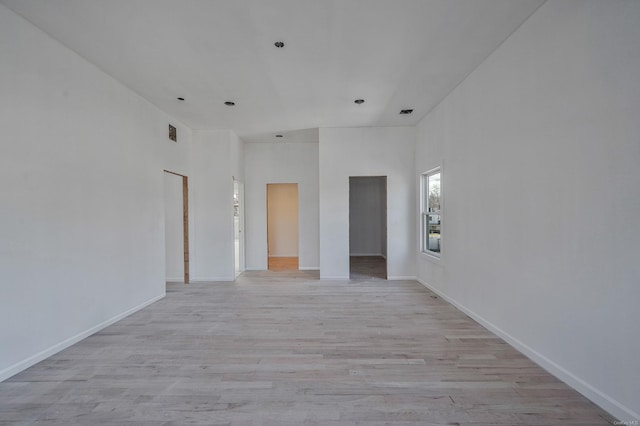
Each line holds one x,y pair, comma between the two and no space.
287,349
283,263
367,267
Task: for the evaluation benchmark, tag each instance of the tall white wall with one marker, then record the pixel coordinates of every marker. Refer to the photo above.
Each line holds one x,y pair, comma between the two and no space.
237,156
177,158
217,158
282,219
378,151
281,163
82,212
540,149
367,216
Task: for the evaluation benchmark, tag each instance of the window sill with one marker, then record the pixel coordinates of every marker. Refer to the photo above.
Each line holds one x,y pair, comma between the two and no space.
431,258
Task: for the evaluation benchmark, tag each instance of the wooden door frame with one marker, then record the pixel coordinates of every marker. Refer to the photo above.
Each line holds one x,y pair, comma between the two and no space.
185,221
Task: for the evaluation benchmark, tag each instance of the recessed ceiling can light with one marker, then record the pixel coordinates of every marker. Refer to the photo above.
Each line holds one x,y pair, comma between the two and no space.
406,111
359,101
279,44
181,99
278,136
229,103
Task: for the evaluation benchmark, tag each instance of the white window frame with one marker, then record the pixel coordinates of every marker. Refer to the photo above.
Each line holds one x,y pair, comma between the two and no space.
424,212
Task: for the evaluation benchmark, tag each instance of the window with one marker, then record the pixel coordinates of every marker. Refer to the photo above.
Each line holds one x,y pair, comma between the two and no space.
431,215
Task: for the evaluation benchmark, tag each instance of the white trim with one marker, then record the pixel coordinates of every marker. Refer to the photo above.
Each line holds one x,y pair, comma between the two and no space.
210,279
300,268
432,170
283,255
174,279
438,169
401,278
34,359
601,399
338,277
431,258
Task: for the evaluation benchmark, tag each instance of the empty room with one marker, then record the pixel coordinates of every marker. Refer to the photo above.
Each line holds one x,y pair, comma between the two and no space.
319,212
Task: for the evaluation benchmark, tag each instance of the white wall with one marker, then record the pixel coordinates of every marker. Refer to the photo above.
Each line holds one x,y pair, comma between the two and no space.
177,158
237,156
281,163
173,228
216,158
367,216
541,147
282,219
82,212
379,151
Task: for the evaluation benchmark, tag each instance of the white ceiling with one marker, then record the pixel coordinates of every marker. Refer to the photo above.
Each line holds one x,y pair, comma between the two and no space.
395,54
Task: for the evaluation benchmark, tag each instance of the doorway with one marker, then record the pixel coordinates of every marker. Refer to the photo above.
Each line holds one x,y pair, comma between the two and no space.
368,227
238,226
176,229
282,226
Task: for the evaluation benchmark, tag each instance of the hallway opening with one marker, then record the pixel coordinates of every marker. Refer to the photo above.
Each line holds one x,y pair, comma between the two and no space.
282,226
368,227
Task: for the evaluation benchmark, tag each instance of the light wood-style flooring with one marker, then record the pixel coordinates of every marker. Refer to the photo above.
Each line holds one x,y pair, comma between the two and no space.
287,349
283,263
367,267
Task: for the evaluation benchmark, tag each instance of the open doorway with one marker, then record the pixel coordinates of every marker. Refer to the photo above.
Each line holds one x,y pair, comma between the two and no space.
238,226
368,227
176,229
282,226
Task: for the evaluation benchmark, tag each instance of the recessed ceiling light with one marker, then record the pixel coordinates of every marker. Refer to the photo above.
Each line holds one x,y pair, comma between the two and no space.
406,111
359,101
229,103
279,44
181,99
278,136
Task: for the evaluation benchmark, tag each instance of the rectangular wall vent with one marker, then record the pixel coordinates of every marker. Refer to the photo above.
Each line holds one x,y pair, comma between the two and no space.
173,133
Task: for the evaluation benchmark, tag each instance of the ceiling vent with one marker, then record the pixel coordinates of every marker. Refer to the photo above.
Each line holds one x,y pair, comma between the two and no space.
406,111
173,133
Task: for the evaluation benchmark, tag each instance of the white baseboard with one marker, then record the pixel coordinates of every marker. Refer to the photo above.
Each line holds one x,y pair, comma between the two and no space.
174,279
209,279
400,278
34,359
601,399
309,268
338,277
283,255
